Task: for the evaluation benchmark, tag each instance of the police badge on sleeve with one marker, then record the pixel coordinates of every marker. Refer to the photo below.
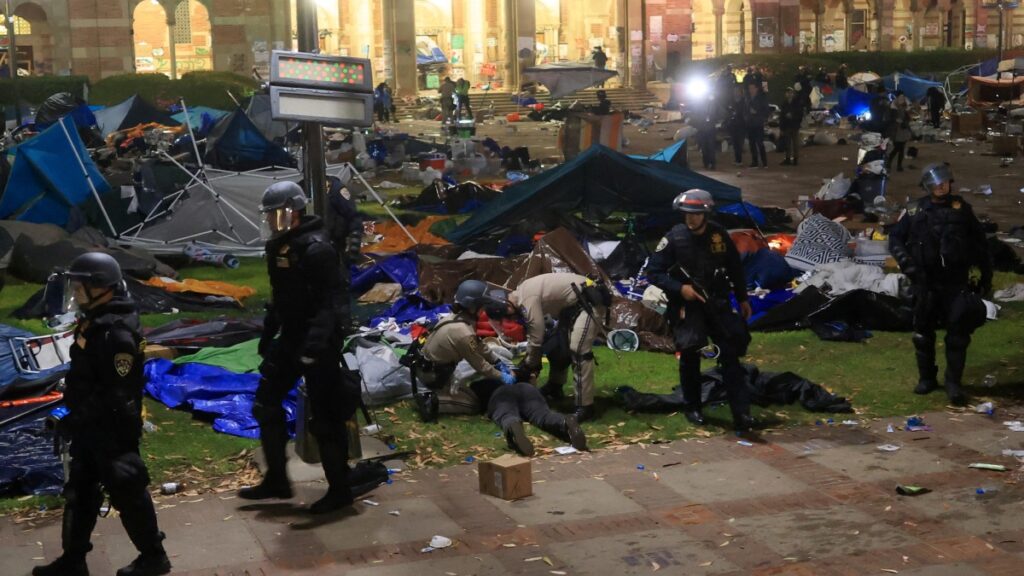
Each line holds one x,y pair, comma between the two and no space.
123,363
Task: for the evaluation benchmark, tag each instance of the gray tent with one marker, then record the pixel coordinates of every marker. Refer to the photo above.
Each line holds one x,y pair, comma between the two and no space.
258,111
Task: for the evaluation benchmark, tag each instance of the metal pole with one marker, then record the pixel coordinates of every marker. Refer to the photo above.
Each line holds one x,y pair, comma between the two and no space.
313,164
1001,10
643,44
12,59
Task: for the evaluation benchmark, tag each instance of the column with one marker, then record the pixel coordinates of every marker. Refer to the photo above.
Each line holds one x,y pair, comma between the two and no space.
172,45
719,41
400,32
522,31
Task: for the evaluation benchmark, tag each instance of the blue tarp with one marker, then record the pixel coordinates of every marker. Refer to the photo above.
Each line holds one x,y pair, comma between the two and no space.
212,390
668,154
767,269
410,308
235,143
596,183
9,374
853,102
400,269
46,182
434,56
913,86
27,462
744,210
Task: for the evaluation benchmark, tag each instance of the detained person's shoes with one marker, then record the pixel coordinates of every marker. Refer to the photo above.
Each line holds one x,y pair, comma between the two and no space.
517,439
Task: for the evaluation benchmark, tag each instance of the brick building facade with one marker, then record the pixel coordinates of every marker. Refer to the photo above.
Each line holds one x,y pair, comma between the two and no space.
413,43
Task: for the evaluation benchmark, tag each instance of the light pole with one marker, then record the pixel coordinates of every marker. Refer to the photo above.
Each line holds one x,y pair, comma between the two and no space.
12,58
313,164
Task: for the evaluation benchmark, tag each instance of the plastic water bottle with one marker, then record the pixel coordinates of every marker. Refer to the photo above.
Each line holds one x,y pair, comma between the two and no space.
989,381
168,488
986,492
985,408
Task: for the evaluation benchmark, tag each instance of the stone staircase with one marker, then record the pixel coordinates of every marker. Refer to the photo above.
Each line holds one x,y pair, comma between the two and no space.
622,99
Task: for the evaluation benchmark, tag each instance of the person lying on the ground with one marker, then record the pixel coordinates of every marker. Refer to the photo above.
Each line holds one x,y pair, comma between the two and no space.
495,390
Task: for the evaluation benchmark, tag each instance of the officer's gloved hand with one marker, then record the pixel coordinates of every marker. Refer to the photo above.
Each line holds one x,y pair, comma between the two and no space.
507,377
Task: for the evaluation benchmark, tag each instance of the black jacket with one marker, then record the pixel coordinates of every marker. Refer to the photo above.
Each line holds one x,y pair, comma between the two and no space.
936,244
309,295
709,261
792,114
104,384
344,223
757,110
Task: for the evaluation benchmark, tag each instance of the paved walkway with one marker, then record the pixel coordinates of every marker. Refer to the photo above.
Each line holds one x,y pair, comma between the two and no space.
814,500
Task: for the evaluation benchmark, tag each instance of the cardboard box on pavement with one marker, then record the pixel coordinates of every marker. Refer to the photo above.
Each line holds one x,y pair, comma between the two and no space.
1005,145
507,477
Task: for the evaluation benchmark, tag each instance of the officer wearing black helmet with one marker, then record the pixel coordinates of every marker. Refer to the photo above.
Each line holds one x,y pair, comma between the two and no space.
498,391
104,398
307,314
936,243
697,265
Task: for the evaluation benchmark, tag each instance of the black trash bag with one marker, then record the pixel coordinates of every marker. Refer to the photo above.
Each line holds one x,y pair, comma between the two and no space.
28,464
367,475
626,260
839,331
766,388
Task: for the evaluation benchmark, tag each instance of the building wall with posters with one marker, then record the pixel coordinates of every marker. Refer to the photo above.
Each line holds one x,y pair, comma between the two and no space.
414,44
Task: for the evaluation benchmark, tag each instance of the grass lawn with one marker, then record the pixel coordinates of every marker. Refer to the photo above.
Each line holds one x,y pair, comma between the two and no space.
877,376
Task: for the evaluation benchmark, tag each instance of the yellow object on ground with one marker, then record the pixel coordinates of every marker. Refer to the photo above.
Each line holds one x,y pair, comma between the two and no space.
212,287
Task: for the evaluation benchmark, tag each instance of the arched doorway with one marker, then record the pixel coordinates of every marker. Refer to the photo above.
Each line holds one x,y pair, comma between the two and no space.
32,38
152,38
193,41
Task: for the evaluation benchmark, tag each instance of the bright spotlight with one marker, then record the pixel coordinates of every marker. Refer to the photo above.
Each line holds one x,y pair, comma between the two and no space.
697,88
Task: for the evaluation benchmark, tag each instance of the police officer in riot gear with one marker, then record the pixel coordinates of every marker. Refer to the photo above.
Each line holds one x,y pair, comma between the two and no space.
697,265
936,243
308,314
498,391
104,399
343,221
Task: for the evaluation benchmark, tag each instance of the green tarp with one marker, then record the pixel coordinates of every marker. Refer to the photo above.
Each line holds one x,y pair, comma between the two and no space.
240,358
596,183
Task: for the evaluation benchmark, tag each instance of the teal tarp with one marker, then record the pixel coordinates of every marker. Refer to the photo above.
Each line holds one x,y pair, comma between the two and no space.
46,181
596,183
195,114
129,114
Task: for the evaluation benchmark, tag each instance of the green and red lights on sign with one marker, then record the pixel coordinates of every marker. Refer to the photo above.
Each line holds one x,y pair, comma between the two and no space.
329,90
350,73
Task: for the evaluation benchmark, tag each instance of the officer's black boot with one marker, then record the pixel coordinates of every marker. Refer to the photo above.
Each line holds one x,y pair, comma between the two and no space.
956,360
428,405
689,379
924,351
64,565
275,482
515,436
334,458
584,413
152,561
565,427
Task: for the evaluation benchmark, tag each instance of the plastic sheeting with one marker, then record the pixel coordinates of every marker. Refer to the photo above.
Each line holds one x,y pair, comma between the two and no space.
190,333
564,78
765,388
27,462
842,277
411,308
241,358
384,379
858,308
212,390
767,269
399,269
131,113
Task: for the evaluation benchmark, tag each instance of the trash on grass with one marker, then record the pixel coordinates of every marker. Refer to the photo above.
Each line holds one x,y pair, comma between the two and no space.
563,450
888,448
984,466
911,490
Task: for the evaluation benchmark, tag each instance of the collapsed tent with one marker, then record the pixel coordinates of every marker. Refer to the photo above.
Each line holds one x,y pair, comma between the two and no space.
564,78
597,182
235,143
853,102
451,198
196,116
190,334
673,154
52,178
30,361
765,388
27,462
131,113
60,105
858,308
914,87
261,115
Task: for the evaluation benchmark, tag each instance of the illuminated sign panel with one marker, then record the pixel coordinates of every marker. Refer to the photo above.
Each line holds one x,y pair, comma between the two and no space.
321,106
319,71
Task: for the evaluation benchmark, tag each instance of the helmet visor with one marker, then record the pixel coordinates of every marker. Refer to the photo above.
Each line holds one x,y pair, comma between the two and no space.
278,220
73,294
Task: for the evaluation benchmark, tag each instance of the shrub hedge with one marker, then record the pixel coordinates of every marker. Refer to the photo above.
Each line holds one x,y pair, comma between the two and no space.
197,88
36,89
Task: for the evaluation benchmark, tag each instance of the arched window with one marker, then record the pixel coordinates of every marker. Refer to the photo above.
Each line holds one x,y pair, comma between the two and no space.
22,27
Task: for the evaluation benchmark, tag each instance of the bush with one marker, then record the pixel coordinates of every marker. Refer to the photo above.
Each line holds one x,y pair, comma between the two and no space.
36,89
197,88
783,67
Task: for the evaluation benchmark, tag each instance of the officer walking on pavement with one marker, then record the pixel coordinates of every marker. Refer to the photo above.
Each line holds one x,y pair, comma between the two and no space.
309,312
506,400
580,306
104,398
936,243
697,265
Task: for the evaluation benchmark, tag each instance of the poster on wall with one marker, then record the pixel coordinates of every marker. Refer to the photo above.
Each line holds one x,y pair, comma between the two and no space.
261,58
766,41
834,41
654,28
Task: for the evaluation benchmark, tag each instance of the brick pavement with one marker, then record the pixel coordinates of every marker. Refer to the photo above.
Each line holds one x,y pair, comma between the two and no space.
812,500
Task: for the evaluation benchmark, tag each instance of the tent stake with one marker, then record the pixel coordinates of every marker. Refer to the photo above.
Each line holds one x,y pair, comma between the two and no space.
92,186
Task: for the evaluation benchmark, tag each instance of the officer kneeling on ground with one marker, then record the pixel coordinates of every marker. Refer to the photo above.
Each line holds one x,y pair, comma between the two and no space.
104,400
498,391
697,265
309,309
936,243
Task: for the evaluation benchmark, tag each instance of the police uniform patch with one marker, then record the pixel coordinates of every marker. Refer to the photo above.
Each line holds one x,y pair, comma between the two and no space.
346,194
956,205
717,244
123,363
662,244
